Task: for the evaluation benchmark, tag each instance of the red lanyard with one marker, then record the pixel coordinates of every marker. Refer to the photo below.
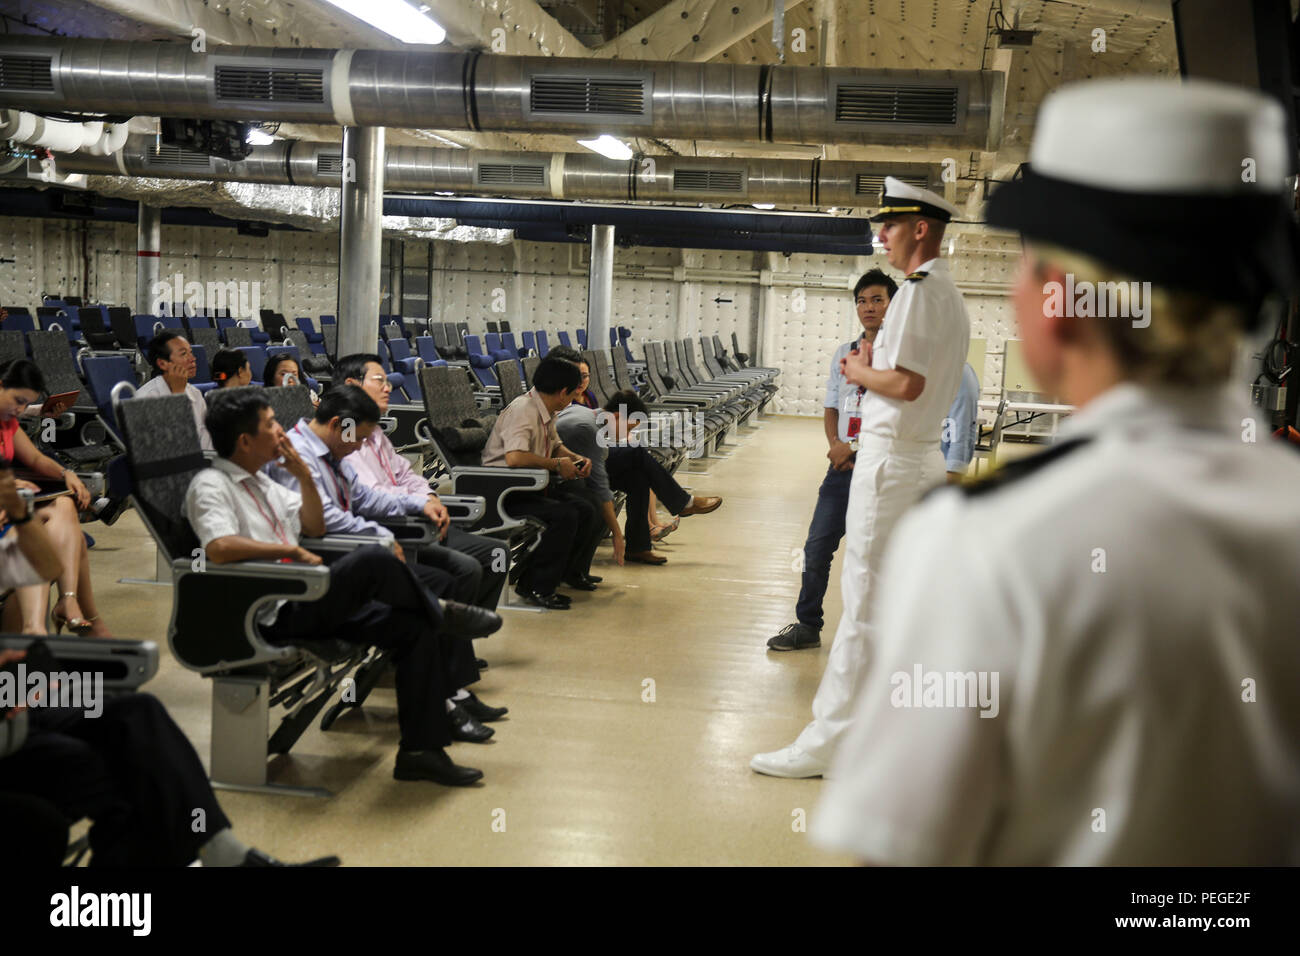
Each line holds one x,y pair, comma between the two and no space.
271,519
383,460
340,488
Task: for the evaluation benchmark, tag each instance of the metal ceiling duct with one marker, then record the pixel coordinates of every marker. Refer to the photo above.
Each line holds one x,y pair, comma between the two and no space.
425,89
586,176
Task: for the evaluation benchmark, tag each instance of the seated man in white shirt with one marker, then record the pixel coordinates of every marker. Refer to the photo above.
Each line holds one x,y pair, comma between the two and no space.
240,514
172,360
479,562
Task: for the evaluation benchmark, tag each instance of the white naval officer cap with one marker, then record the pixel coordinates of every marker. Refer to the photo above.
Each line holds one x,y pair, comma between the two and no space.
903,199
1136,173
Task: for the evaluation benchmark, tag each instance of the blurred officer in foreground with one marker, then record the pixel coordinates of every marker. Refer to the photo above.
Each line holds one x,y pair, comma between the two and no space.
1092,658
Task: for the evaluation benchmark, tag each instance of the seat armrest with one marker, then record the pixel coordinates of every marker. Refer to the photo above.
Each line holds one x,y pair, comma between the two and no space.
338,542
411,531
215,607
464,509
125,664
495,485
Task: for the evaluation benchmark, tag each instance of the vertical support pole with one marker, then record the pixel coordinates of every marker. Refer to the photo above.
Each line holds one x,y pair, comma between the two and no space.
148,256
360,236
600,287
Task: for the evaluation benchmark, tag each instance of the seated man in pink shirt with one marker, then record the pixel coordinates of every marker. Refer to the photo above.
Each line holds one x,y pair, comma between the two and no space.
378,465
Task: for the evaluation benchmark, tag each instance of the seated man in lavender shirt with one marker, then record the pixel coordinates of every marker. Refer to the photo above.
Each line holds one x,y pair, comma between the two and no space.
378,465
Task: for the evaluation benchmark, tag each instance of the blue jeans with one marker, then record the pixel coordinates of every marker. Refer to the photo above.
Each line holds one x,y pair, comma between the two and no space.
824,536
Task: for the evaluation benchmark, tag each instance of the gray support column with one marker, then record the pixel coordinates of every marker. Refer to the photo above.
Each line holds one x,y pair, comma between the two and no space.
360,234
148,257
600,287
396,267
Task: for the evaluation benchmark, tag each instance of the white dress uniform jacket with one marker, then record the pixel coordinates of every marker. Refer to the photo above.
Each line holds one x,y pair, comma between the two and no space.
926,331
1134,593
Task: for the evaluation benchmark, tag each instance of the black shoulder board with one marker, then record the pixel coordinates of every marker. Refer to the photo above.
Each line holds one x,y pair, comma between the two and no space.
1015,470
917,276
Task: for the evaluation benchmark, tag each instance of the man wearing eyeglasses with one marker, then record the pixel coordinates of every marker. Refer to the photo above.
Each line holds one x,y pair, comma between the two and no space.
378,465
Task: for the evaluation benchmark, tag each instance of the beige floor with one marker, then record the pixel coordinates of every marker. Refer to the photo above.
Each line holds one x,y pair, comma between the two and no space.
583,771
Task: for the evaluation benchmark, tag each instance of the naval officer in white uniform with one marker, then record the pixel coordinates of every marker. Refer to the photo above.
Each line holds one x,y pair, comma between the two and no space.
1093,658
911,373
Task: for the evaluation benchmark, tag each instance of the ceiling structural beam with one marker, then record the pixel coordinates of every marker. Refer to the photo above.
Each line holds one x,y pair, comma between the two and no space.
223,26
520,28
691,30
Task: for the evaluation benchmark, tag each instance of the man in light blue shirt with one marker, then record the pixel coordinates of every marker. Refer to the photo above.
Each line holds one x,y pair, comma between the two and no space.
961,428
841,420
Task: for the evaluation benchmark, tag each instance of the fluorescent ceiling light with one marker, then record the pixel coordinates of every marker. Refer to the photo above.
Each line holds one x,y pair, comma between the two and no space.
396,18
607,145
257,137
764,205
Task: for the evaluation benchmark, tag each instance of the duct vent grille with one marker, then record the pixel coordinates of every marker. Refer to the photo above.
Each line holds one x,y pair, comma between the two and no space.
708,180
266,85
869,184
329,164
511,174
588,94
897,106
173,156
26,73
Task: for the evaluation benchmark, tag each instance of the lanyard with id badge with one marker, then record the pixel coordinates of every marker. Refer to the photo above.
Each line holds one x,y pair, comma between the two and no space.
853,408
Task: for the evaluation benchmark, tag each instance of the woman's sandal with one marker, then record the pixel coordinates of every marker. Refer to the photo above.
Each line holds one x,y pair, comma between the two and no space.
77,625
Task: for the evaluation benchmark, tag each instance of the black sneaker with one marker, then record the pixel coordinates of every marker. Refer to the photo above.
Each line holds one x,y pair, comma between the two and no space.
795,637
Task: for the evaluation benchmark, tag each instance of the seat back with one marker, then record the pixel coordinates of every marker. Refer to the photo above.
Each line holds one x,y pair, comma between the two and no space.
622,375
331,333
291,404
563,336
581,336
19,322
102,373
93,328
256,360
511,379
599,381
505,326
426,346
656,371
688,356
12,345
508,344
210,339
493,327
669,352
391,331
710,359
274,324
530,366
543,344
195,322
202,367
163,455
238,337
51,355
530,341
458,427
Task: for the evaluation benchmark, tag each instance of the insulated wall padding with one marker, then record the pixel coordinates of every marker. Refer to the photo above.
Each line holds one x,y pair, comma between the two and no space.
806,327
647,307
21,281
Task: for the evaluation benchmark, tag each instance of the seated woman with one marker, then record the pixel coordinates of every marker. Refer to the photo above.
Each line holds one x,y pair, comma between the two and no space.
283,370
230,369
21,384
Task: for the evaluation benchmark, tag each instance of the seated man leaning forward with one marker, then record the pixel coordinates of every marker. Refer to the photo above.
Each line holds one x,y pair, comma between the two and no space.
239,514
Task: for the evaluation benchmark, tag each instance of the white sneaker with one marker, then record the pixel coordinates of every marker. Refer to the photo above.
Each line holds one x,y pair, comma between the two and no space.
788,762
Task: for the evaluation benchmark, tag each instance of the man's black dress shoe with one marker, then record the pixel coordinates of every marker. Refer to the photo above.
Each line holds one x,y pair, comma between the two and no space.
464,620
258,858
552,602
433,765
481,711
480,663
594,578
467,728
579,584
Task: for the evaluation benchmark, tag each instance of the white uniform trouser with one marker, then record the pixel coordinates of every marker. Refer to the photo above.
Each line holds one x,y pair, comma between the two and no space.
889,476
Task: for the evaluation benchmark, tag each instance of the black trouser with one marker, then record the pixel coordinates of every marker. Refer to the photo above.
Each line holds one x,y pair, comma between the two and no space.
131,770
376,599
635,471
578,488
558,555
476,563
